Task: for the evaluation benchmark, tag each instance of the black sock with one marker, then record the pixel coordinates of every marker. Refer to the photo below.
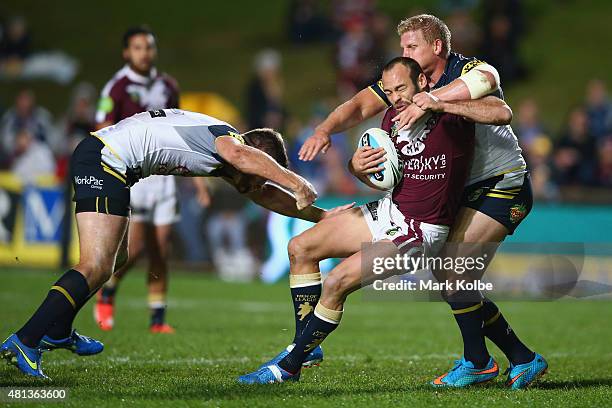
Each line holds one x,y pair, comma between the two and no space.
158,315
68,294
62,328
497,329
108,294
321,324
468,315
305,293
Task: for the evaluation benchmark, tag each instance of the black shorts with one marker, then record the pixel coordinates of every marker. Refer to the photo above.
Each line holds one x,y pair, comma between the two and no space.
97,186
507,205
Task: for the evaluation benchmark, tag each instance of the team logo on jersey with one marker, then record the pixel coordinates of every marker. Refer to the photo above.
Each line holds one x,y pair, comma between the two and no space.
475,195
470,65
157,113
517,212
151,97
413,141
392,231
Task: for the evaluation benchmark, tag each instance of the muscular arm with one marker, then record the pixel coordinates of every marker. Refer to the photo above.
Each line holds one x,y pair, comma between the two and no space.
274,199
489,110
360,107
249,160
457,90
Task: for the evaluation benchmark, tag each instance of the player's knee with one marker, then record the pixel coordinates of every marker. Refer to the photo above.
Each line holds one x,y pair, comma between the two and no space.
301,249
95,272
337,285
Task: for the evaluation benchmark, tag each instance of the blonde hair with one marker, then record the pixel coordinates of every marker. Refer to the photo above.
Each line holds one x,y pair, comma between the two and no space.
432,28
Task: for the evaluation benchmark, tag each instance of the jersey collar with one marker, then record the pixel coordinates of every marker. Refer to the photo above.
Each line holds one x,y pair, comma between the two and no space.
141,79
446,74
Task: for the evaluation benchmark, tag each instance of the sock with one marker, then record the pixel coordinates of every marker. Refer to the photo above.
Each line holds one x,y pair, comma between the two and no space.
497,329
468,315
108,290
305,293
157,306
321,324
62,328
66,296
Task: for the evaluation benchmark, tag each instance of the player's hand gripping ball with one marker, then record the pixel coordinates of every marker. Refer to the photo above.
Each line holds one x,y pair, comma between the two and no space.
391,174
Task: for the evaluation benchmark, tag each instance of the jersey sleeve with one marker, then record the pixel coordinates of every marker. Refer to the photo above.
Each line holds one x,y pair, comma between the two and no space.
377,88
110,103
465,65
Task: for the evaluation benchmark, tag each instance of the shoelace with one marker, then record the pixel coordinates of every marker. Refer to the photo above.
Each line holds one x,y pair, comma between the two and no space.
458,363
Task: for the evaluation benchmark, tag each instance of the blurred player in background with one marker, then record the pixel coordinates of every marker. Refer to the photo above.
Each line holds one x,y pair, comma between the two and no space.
138,87
497,196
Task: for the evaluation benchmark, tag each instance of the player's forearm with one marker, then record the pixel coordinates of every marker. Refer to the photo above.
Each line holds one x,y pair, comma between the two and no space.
254,162
281,202
360,107
489,110
457,90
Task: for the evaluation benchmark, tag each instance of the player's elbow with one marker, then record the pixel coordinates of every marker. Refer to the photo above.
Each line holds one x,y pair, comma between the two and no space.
235,155
505,115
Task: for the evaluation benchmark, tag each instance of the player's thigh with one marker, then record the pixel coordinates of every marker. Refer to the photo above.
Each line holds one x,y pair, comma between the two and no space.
338,236
358,270
473,226
100,236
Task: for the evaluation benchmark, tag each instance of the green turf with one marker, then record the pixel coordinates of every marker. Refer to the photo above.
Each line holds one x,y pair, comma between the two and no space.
383,355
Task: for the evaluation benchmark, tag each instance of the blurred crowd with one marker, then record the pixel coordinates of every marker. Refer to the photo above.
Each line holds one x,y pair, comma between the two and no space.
33,143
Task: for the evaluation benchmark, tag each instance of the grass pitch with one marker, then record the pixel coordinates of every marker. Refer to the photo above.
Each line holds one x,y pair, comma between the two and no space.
383,354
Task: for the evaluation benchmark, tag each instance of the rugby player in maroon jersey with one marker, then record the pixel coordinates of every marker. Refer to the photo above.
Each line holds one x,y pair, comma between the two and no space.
415,216
496,199
137,87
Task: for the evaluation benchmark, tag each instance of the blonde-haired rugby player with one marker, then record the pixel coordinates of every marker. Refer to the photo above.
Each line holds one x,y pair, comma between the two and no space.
497,196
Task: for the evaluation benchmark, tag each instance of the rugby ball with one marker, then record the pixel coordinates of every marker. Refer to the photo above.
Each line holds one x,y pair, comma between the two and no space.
391,175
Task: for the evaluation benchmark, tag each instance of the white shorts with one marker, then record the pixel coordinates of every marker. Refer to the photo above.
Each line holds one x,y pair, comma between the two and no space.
386,222
154,200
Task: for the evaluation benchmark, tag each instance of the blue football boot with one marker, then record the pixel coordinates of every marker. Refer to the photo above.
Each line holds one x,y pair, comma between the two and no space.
314,358
464,374
77,343
522,375
28,360
268,375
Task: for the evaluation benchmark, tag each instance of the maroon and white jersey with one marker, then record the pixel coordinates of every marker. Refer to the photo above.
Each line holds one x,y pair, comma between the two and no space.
128,93
437,154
